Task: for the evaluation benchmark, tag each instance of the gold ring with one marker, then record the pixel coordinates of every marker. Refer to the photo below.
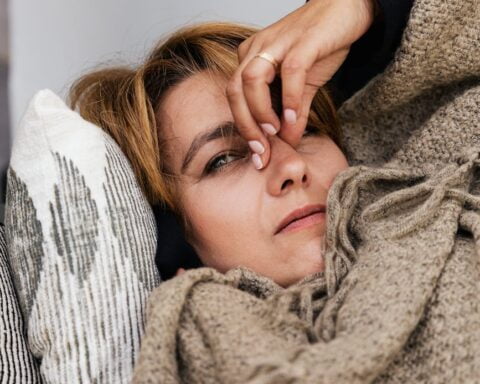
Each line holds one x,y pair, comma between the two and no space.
268,57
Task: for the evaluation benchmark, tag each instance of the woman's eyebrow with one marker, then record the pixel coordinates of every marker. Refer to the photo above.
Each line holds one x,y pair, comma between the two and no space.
225,129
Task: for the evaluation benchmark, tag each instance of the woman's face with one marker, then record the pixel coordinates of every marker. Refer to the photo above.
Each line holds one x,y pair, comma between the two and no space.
233,209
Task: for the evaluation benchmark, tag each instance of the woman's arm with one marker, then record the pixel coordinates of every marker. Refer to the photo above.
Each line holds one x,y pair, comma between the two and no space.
305,48
370,54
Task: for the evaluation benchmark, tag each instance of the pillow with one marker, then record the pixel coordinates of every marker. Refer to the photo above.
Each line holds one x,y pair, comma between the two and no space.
82,239
16,361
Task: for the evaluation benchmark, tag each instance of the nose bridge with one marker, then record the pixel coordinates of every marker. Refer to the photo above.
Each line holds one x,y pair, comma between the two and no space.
288,168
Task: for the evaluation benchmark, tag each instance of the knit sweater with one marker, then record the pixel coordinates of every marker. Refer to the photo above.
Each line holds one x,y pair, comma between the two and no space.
399,301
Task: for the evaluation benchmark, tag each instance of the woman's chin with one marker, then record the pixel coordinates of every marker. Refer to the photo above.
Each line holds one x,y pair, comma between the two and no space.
304,267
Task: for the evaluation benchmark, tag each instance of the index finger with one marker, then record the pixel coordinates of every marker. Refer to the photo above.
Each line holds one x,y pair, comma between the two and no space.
244,120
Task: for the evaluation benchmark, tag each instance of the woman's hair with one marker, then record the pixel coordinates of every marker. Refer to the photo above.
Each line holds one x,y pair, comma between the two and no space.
123,101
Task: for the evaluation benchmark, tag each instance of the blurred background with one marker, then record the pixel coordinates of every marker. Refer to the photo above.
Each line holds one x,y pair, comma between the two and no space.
49,43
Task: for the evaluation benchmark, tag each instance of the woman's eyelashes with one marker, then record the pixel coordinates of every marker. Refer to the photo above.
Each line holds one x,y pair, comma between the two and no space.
221,161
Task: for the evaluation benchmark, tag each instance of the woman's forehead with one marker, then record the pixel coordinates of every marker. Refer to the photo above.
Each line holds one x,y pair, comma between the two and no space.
192,107
197,99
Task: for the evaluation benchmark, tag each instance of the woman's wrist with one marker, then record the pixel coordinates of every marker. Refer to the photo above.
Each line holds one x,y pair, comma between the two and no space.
373,6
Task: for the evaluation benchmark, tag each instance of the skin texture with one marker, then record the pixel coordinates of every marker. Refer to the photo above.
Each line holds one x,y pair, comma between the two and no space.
309,44
234,212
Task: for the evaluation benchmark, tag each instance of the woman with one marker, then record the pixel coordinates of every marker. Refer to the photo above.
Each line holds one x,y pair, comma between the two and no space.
206,174
366,57
398,298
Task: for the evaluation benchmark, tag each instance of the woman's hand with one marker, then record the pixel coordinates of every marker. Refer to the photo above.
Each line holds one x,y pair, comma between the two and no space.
309,46
180,271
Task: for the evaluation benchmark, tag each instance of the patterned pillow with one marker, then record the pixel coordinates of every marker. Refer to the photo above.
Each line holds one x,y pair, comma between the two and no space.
16,362
81,238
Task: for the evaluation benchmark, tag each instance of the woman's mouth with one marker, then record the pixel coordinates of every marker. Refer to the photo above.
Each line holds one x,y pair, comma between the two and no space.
302,218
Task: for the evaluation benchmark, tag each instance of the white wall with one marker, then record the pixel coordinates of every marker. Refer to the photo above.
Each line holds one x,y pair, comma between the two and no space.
53,41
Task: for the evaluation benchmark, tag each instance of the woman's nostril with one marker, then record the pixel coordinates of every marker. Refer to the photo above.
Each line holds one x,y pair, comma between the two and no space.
286,183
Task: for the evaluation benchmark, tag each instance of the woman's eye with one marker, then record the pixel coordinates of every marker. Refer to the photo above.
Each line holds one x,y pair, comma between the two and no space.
221,161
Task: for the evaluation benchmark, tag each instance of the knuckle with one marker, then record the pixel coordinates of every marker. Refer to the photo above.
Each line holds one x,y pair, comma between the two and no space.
233,89
243,47
290,99
246,132
292,65
250,75
264,116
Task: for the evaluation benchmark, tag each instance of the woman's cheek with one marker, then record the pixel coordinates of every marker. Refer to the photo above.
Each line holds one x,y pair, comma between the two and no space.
225,220
211,214
331,162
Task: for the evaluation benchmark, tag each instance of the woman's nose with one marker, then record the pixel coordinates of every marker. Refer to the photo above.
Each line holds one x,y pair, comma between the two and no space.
287,169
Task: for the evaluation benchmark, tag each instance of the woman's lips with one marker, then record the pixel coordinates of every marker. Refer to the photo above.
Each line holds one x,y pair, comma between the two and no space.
301,218
304,222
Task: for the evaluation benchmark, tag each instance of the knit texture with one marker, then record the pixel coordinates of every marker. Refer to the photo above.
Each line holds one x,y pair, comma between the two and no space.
399,299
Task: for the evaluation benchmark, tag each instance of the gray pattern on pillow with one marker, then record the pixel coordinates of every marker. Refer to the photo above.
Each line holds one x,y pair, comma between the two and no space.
126,191
73,202
28,258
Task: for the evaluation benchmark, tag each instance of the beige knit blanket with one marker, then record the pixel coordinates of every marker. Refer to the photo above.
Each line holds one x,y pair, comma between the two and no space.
399,301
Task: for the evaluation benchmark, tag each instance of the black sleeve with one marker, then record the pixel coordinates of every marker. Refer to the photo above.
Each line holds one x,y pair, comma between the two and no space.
173,251
370,54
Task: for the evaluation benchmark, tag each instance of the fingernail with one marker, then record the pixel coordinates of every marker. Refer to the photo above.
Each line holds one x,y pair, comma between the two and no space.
290,116
256,146
257,161
268,128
